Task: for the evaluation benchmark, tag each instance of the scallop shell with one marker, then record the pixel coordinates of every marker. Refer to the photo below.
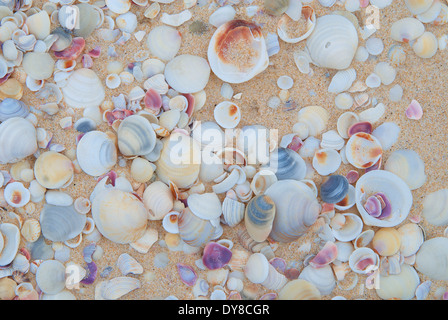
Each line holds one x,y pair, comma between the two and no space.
10,108
426,45
83,89
400,286
342,80
193,230
14,130
50,277
187,73
363,150
435,208
179,160
119,215
333,43
227,114
116,288
299,289
412,238
164,42
10,237
259,217
326,161
323,278
136,136
296,209
350,229
16,195
406,30
396,191
53,170
158,199
306,22
96,153
432,258
224,51
232,211
61,223
408,165
315,117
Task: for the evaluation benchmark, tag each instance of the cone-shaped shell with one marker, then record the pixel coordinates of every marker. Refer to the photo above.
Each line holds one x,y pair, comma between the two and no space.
83,89
53,170
96,153
136,136
61,223
259,216
119,216
13,131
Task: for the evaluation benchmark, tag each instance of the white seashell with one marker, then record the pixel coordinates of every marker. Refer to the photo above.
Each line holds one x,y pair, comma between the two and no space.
343,101
83,89
177,19
381,4
11,131
285,82
187,73
435,209
227,114
342,80
432,13
225,49
386,72
400,286
431,259
116,288
50,277
345,249
327,3
262,180
326,161
233,211
58,198
136,136
119,6
412,238
222,15
10,238
164,42
309,148
363,260
426,45
323,278
315,117
211,167
306,21
333,42
152,11
16,195
373,81
128,265
39,24
349,229
206,206
169,222
387,134
408,165
361,54
127,22
332,140
145,243
302,60
158,83
345,121
294,9
374,46
418,6
406,30
372,115
158,199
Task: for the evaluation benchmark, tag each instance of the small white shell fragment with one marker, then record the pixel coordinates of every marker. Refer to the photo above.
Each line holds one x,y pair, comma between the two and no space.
373,81
113,81
387,134
374,46
395,93
274,102
222,15
226,91
372,115
285,82
344,101
176,20
58,198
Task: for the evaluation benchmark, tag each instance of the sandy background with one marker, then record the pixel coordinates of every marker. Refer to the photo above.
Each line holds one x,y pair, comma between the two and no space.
423,80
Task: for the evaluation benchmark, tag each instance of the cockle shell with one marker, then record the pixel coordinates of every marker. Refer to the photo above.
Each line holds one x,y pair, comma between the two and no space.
296,209
96,153
299,289
306,23
187,73
158,199
406,30
10,108
432,258
53,170
333,42
232,211
193,230
13,130
435,208
206,206
342,80
396,190
259,216
334,189
232,41
408,165
136,136
323,278
287,164
315,117
412,238
83,89
10,235
399,286
363,150
50,277
119,216
31,230
61,223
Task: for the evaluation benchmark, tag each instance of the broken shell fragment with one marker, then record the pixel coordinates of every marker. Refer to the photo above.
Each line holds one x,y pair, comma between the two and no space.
295,31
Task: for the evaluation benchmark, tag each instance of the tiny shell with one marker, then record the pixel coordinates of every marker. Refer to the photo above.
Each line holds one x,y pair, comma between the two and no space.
227,114
414,111
386,242
342,80
128,264
222,15
83,89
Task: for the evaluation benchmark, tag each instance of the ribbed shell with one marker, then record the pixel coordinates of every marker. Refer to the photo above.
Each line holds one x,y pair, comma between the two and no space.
136,136
259,216
61,223
96,153
10,108
193,230
17,140
287,164
84,89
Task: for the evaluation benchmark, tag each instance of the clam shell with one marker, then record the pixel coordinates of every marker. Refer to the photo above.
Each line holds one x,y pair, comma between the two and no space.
334,189
332,140
193,230
326,161
323,278
262,180
418,6
342,80
128,265
58,198
287,164
299,289
408,165
50,277
363,150
116,288
435,208
257,268
119,6
96,153
206,206
225,51
350,229
39,25
61,223
345,121
16,195
14,130
222,15
259,217
406,30
187,73
426,45
164,42
387,134
400,286
396,191
315,117
136,136
53,170
386,242
363,260
142,170
306,22
10,108
83,89
158,199
119,215
296,209
412,238
333,42
232,211
145,243
38,66
432,258
227,114
10,235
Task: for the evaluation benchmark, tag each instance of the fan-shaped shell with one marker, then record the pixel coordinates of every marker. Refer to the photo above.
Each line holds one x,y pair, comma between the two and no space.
432,258
299,289
10,235
61,223
119,216
193,230
408,165
13,131
10,108
333,42
435,207
53,170
406,30
315,117
259,216
158,199
296,209
84,89
399,286
232,41
96,153
287,164
136,136
50,277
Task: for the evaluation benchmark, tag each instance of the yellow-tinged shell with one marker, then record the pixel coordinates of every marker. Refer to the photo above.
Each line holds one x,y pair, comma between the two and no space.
259,216
11,89
158,199
426,45
7,289
386,241
299,290
53,170
31,230
400,286
315,117
418,6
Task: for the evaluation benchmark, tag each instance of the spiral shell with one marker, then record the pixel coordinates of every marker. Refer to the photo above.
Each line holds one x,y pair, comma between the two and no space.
14,130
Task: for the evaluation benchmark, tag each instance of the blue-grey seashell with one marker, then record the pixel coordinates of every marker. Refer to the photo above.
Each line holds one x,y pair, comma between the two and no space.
287,164
61,223
334,189
10,108
39,250
259,216
85,125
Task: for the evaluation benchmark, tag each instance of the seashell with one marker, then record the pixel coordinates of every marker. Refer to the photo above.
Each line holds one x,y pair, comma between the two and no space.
345,121
315,117
180,168
322,278
61,223
177,19
50,277
374,46
363,150
406,30
96,153
333,36
326,161
116,288
209,135
31,230
127,22
296,209
82,205
11,88
119,215
386,242
10,108
216,256
222,15
158,199
426,45
257,268
431,258
414,111
187,274
193,230
83,89
224,51
363,126
306,22
387,134
39,25
206,206
262,180
113,81
233,211
434,207
10,130
136,136
349,229
276,8
145,243
141,170
16,195
53,170
363,260
386,73
442,18
402,163
58,198
325,256
187,73
342,81
128,265
287,164
119,6
396,55
334,189
73,51
418,6
164,42
400,286
85,125
412,237
299,289
10,240
259,216
392,189
227,114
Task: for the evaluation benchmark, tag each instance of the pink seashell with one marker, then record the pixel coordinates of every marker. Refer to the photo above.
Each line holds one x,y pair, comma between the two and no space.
373,206
292,273
87,61
376,166
279,264
95,52
72,52
187,274
352,176
190,108
360,127
153,100
295,144
112,175
216,256
415,218
5,78
327,207
414,111
445,296
364,3
325,256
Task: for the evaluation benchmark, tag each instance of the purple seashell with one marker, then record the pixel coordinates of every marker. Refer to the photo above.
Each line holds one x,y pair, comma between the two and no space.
295,144
352,176
91,273
88,252
360,127
385,203
216,256
187,274
376,166
269,296
373,206
292,273
279,264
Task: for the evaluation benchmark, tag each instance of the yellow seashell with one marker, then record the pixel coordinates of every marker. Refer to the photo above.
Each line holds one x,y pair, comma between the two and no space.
12,88
53,170
7,289
299,290
386,242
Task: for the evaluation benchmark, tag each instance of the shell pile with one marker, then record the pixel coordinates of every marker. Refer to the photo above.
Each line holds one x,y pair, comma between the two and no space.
160,150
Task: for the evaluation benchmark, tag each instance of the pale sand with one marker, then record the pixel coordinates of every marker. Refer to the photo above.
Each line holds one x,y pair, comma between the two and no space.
423,80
